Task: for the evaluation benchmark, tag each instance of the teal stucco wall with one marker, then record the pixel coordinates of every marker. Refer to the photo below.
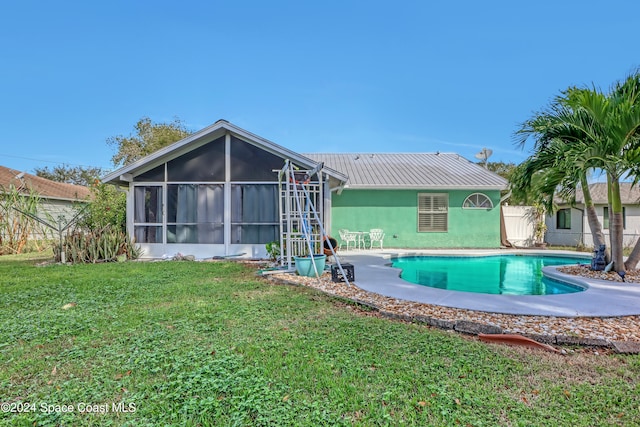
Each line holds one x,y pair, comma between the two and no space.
396,211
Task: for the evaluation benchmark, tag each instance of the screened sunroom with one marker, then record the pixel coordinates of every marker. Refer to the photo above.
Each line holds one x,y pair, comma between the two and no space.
215,193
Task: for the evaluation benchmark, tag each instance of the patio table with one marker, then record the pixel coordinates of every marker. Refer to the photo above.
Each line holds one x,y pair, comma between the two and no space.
361,238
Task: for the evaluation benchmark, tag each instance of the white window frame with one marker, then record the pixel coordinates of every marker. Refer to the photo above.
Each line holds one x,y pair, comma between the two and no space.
163,214
566,214
470,203
431,214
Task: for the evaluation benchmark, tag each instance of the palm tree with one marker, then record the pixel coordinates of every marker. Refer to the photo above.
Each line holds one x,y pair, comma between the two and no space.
593,130
627,95
614,144
557,166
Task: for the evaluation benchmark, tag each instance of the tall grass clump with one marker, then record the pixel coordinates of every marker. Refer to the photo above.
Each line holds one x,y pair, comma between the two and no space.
100,232
16,226
105,244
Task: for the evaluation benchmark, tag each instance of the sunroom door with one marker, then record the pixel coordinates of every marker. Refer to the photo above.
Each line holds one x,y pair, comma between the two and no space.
148,218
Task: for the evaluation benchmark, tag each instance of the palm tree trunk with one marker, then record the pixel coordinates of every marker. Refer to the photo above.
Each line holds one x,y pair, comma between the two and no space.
615,225
634,257
592,219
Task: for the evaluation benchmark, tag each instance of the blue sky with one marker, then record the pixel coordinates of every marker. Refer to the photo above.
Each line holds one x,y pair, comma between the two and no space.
330,76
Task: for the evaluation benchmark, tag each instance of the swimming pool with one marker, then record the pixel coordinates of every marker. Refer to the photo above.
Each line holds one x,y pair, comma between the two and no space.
496,274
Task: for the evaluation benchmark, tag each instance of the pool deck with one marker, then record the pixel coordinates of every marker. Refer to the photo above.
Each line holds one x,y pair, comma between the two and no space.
600,299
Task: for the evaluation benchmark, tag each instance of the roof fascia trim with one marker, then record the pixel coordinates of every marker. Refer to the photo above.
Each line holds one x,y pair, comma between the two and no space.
165,151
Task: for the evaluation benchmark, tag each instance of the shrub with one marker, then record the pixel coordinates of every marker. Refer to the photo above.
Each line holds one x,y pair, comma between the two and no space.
105,244
273,249
108,206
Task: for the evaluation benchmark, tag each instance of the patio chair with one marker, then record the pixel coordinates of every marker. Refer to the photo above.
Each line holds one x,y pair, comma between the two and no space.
376,235
347,237
343,238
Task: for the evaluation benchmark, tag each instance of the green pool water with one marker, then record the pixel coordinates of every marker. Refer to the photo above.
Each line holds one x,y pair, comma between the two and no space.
501,274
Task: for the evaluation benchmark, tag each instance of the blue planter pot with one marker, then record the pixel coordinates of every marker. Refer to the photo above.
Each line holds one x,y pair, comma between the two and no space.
304,264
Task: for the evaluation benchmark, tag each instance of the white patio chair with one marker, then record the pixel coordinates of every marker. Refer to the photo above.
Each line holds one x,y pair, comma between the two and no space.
347,237
343,239
376,235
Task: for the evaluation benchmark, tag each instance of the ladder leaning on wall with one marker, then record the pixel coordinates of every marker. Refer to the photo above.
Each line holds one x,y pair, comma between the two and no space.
301,228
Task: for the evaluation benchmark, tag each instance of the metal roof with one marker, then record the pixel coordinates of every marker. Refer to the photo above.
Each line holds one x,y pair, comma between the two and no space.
45,188
437,171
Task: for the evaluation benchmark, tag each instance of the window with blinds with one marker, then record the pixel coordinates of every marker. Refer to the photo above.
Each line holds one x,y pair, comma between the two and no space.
433,212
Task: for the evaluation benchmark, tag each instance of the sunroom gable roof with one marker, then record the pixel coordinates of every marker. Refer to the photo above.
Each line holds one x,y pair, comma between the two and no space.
220,128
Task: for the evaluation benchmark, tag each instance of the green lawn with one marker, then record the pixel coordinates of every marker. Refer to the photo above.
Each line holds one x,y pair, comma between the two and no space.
190,344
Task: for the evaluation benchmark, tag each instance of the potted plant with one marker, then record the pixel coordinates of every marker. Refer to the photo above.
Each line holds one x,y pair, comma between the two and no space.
305,263
273,250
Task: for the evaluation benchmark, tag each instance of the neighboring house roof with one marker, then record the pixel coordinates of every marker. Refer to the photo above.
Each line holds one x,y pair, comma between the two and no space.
629,194
45,188
123,175
437,171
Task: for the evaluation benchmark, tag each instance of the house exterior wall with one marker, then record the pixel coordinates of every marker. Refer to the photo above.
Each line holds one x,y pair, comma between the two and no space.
214,169
396,212
631,230
580,232
60,214
57,213
567,237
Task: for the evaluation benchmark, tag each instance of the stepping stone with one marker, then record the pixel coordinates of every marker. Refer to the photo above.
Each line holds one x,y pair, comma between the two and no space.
474,328
442,324
589,342
626,347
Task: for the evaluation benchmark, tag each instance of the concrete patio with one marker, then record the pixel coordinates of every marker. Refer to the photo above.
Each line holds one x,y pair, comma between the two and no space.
600,299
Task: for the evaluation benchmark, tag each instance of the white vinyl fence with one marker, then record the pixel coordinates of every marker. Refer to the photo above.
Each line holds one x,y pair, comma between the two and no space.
519,225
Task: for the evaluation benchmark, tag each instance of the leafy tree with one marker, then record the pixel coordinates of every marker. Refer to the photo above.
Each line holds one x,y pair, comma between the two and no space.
148,138
501,168
77,175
